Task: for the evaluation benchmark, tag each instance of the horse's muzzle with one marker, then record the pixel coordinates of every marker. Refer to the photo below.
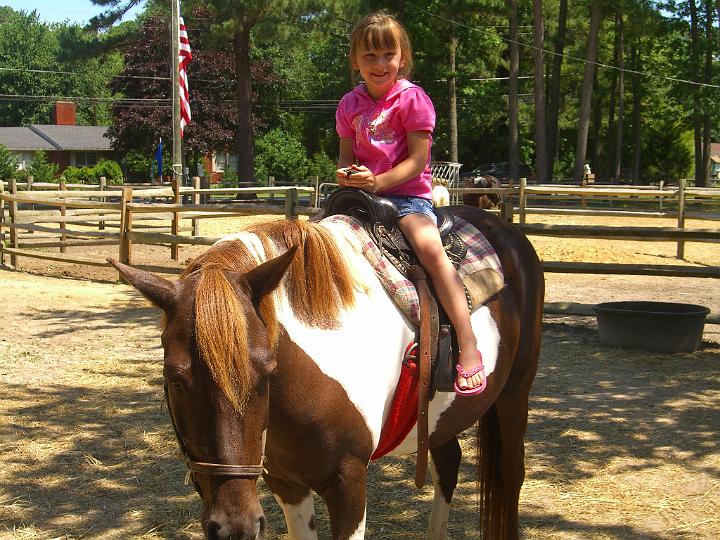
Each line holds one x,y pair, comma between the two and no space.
220,526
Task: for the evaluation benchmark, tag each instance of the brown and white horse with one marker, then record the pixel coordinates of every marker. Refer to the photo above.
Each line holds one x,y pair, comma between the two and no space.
282,354
487,201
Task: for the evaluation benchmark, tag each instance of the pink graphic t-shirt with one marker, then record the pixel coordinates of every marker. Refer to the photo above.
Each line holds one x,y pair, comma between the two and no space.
379,131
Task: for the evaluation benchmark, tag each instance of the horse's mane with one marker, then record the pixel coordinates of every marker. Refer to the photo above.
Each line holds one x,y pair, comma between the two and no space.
318,285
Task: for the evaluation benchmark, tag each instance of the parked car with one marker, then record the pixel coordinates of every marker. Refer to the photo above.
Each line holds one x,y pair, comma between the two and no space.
499,170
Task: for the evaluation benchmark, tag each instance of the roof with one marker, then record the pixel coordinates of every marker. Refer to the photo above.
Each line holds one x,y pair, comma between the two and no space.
74,137
52,137
714,149
23,138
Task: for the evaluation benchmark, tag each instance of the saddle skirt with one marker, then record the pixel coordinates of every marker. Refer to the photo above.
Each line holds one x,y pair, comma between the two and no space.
480,269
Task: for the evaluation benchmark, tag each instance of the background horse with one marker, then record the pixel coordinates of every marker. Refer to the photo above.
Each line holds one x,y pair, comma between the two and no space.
489,201
282,354
440,193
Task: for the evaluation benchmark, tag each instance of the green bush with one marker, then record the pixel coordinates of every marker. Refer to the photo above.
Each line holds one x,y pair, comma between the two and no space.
322,166
110,170
280,154
41,169
79,175
139,165
8,164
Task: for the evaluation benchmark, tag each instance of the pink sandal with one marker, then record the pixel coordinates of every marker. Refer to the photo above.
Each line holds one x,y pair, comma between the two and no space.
467,374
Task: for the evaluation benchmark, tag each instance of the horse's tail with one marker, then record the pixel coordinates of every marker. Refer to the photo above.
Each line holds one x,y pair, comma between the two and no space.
496,503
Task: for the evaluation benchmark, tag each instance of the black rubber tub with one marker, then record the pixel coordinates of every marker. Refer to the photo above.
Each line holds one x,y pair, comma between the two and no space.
651,326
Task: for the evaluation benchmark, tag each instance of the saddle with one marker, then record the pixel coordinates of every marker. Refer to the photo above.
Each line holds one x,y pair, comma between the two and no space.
379,217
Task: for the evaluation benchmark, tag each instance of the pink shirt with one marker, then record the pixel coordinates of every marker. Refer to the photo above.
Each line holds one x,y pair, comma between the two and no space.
379,131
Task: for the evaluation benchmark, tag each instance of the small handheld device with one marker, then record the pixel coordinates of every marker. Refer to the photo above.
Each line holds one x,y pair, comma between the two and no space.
349,171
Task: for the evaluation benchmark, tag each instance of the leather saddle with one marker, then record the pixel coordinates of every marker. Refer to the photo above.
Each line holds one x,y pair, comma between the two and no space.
379,216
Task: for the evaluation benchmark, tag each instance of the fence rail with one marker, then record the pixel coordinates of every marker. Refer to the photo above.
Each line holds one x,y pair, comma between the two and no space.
77,216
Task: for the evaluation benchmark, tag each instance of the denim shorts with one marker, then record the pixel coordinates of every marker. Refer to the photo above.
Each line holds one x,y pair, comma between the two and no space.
407,205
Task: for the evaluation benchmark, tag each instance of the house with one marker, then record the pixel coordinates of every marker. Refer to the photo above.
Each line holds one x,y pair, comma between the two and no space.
65,142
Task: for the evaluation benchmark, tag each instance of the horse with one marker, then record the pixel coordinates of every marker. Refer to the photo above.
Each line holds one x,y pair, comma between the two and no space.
440,193
488,201
281,355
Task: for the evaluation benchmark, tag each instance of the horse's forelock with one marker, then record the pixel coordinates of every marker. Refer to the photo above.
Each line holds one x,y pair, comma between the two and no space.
221,334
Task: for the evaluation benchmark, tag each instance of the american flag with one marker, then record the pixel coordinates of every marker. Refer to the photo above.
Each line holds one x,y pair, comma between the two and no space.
184,57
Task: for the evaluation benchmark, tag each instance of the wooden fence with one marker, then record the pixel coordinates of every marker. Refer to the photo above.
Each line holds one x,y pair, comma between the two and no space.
48,217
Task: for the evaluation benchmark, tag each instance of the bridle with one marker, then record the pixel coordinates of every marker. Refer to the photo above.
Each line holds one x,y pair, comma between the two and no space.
211,469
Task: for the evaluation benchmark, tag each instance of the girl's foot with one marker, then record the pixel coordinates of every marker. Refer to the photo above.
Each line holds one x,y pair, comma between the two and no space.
470,379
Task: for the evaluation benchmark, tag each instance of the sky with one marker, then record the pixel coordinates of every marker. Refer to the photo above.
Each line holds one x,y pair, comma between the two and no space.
75,11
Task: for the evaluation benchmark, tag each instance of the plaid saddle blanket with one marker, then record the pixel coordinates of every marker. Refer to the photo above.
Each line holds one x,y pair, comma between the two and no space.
480,270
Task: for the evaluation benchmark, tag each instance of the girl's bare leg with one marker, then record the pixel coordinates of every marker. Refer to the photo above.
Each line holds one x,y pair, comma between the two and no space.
425,239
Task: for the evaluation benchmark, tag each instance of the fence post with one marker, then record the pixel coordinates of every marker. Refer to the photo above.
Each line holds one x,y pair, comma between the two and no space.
290,202
63,213
508,207
2,224
103,185
523,199
583,185
28,187
271,183
316,192
125,225
175,226
196,200
662,183
13,221
681,216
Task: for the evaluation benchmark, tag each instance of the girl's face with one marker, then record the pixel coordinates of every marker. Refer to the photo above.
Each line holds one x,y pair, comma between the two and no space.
379,68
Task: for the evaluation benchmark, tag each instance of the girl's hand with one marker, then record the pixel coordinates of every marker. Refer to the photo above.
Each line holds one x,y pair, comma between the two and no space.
357,176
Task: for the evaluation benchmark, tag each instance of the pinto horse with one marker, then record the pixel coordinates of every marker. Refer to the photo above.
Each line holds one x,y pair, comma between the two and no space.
282,354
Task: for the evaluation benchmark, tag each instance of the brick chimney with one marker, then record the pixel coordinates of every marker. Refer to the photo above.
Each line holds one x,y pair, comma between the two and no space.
64,113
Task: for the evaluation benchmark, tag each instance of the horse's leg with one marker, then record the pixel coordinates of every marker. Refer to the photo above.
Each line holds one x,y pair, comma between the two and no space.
297,504
512,415
445,467
345,496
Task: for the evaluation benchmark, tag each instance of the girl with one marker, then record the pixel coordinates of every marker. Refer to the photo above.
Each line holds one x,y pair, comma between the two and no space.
385,125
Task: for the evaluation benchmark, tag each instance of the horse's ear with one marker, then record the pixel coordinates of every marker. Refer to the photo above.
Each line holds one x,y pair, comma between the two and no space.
263,279
159,291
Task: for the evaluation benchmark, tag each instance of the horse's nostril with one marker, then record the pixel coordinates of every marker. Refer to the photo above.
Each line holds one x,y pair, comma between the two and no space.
213,530
261,527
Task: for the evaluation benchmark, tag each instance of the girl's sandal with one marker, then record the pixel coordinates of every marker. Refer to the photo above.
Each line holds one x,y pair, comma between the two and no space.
480,368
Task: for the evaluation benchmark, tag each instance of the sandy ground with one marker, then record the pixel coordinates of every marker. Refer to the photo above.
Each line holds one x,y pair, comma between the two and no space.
621,444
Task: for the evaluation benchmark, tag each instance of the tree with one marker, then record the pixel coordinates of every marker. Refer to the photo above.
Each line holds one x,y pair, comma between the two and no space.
513,94
41,169
586,96
26,44
8,163
554,97
539,92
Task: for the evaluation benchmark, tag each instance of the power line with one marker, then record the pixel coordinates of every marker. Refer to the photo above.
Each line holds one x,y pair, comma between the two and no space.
575,58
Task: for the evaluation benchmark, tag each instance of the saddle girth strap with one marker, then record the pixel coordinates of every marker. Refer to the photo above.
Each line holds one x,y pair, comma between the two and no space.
428,320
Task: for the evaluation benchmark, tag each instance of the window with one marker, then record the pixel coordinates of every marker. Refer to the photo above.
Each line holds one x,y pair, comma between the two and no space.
86,159
224,160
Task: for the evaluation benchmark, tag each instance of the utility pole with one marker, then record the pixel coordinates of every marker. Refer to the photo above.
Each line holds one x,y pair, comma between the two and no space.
177,161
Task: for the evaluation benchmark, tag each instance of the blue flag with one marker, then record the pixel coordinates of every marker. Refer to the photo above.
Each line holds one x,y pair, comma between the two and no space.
158,158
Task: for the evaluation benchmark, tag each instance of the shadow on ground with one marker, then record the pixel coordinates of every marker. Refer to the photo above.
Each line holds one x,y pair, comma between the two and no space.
98,459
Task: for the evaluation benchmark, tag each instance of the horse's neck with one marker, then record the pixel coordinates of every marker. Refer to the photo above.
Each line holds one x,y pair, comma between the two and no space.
364,353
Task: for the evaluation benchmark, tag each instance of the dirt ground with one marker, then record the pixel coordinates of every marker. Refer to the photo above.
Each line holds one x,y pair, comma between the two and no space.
621,444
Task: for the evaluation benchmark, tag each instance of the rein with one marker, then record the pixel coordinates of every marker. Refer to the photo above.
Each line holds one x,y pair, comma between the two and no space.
210,469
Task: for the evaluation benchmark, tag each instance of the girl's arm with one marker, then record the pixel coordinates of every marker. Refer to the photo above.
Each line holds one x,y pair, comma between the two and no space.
413,165
347,156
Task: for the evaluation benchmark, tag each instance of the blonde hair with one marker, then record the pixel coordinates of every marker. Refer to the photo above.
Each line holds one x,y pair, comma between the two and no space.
380,30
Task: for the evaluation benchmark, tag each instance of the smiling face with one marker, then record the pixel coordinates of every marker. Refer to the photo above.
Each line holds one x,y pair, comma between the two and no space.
379,68
380,50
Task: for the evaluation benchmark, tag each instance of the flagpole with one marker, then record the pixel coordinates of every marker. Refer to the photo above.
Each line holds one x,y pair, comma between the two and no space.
174,71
